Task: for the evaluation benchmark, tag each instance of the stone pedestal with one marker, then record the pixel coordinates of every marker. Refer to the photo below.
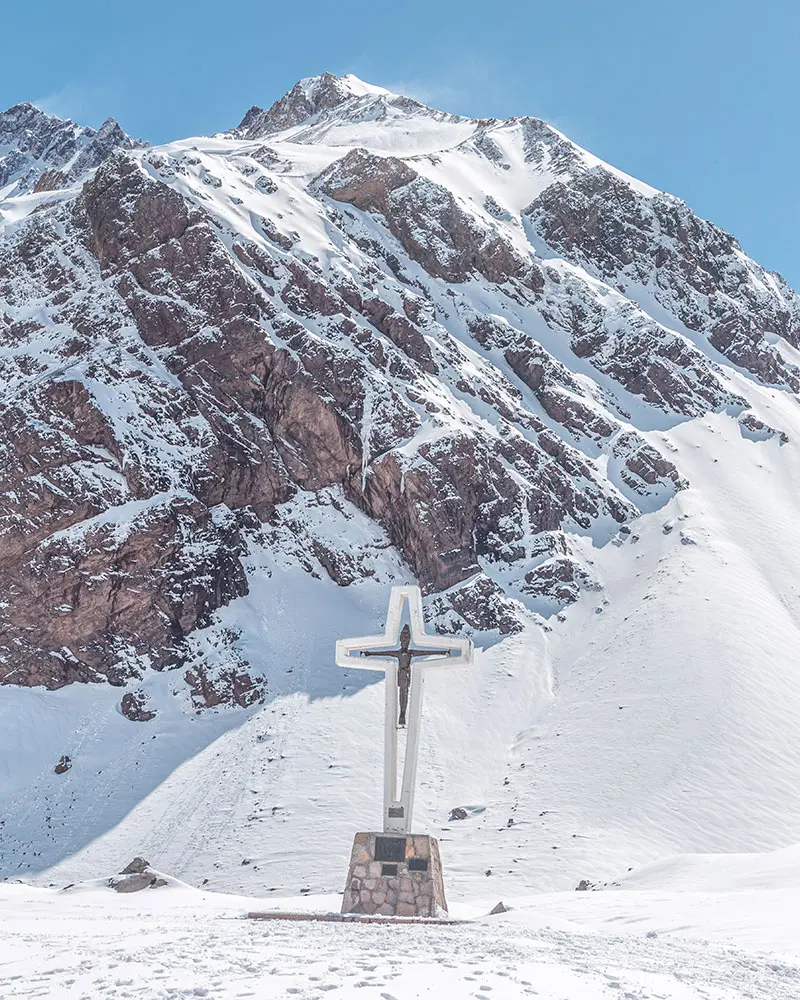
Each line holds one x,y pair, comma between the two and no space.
395,875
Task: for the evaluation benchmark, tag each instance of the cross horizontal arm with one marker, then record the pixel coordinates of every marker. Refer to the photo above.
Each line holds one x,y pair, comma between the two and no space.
429,652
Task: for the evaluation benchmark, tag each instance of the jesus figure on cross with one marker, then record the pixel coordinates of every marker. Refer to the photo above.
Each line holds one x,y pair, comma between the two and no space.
404,656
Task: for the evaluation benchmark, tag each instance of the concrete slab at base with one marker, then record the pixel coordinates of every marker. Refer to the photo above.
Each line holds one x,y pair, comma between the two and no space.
395,875
355,918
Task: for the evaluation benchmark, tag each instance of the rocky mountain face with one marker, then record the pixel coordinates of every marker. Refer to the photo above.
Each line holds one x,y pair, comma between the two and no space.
39,152
464,334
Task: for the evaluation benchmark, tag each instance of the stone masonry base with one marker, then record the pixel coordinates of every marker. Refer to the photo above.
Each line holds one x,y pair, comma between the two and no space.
395,875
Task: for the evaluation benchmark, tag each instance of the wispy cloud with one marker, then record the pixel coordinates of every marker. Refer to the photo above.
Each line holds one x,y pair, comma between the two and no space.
467,86
439,94
462,86
86,105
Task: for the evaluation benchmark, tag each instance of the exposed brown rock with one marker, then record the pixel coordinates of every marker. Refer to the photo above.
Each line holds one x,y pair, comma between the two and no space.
433,228
135,867
553,384
96,599
396,327
227,687
135,883
483,606
50,180
643,466
752,427
559,581
63,765
134,707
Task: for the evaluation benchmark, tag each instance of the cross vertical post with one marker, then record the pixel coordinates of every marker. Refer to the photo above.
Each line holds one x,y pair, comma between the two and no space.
405,668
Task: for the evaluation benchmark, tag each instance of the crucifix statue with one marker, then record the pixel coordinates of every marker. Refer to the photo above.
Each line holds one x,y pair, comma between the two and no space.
403,692
404,656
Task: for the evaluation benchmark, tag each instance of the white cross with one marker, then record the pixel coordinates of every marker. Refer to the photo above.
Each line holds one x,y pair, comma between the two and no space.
353,653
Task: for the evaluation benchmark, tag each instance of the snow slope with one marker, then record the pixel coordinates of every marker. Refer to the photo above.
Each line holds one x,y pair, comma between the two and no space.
659,716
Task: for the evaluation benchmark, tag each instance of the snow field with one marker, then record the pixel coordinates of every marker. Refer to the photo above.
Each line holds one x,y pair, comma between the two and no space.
94,944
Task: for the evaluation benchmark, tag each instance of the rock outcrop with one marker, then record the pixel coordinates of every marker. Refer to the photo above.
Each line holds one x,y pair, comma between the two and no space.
655,246
136,876
45,152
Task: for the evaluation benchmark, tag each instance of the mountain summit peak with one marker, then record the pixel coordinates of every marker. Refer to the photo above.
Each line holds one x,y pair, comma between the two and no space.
347,85
314,96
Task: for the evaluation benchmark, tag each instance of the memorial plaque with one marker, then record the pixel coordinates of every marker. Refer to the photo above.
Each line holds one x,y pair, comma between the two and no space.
390,848
417,864
388,869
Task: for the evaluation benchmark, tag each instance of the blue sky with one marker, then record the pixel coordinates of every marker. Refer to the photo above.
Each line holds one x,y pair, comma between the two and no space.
698,97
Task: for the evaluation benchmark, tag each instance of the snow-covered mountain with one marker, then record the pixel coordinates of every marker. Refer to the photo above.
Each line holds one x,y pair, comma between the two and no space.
39,152
249,381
